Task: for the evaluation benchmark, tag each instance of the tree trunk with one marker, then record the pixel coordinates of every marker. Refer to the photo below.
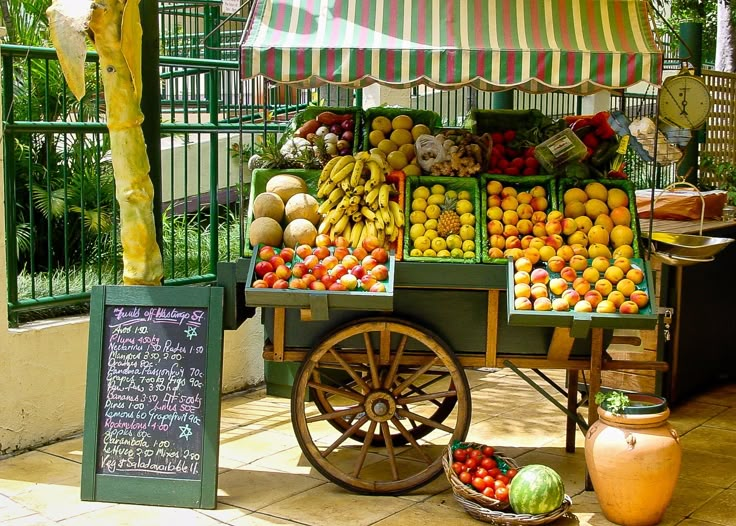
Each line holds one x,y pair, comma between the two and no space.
725,38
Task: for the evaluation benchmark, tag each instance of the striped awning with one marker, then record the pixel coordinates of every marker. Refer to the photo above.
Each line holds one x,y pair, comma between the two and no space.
578,46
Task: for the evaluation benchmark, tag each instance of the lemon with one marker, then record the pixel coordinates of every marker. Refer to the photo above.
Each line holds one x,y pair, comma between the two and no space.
382,123
397,160
468,245
415,252
467,219
463,206
431,224
420,191
429,253
431,234
402,122
387,146
437,189
452,194
422,243
443,254
417,216
401,137
375,137
412,169
419,204
420,129
454,241
456,253
467,232
408,150
436,199
438,244
469,254
416,230
464,194
433,211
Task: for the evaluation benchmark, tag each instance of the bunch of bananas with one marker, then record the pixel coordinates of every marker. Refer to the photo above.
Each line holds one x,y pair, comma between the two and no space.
356,200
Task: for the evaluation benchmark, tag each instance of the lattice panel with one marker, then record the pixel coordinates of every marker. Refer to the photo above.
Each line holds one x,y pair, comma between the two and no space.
721,127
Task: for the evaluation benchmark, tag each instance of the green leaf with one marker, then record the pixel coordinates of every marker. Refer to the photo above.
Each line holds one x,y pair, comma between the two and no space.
613,401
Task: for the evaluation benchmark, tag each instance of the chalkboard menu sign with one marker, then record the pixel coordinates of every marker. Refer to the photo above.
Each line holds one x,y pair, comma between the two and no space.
153,391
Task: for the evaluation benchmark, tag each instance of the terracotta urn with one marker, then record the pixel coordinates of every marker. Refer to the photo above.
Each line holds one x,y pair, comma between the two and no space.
633,459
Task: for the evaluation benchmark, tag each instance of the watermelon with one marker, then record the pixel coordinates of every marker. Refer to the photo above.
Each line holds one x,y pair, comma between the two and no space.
536,489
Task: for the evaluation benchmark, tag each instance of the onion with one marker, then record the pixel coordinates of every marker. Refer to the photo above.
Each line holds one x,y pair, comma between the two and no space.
336,129
346,151
322,131
348,124
347,135
342,144
331,148
330,137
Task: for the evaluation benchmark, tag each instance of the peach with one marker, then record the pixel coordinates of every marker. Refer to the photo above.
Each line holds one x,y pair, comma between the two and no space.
569,226
513,242
263,268
509,191
494,201
581,286
539,275
328,279
565,252
360,253
571,297
522,290
349,261
498,241
510,230
270,278
555,240
495,253
299,270
303,250
616,298
513,253
378,287
583,306
579,250
367,281
539,230
309,278
539,216
338,271
494,187
555,215
524,197
525,211
605,306
568,274
341,252
526,241
626,287
542,304
539,290
266,253
593,297
555,263
380,272
640,298
282,272
591,274
578,238
317,285
259,284
341,241
577,261
297,283
523,264
370,243
603,286
635,275
510,217
287,254
280,284
560,305
321,252
509,203
622,263
523,304
547,252
538,191
532,254
614,274
628,307
311,261
557,286
276,261
350,281
522,277
329,262
525,227
322,240
319,270
369,263
539,204
600,263
337,286
358,271
553,227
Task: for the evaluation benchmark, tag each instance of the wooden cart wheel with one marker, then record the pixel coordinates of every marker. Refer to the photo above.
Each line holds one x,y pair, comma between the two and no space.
380,377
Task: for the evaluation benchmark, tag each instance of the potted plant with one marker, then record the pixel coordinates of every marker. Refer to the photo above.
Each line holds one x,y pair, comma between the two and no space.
724,177
633,456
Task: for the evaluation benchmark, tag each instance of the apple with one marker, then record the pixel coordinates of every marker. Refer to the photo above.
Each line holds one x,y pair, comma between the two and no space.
350,261
635,275
380,254
341,252
349,281
317,285
539,290
367,281
522,290
640,298
378,287
557,286
299,270
337,286
281,284
523,264
583,306
380,272
370,243
603,286
311,261
341,241
360,253
276,261
322,240
539,275
283,272
542,304
329,262
369,262
339,271
321,252
628,307
287,254
303,251
578,262
319,270
266,253
581,285
522,277
260,284
555,263
328,279
523,304
263,268
606,306
593,297
309,278
568,274
270,278
358,271
560,305
297,283
571,296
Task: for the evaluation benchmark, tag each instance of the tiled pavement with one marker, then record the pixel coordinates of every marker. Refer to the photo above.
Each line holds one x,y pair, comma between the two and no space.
265,480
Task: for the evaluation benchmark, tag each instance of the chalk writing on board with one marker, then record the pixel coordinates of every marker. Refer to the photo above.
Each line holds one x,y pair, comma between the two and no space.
153,391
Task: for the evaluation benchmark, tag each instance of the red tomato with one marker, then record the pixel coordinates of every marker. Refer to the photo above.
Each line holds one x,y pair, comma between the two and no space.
481,472
479,484
504,479
471,463
509,135
511,473
458,467
518,163
488,463
494,472
465,477
497,138
488,451
531,162
502,494
489,480
474,453
490,492
499,484
460,454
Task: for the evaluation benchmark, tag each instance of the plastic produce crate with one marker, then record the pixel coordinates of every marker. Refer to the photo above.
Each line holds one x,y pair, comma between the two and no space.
429,118
311,112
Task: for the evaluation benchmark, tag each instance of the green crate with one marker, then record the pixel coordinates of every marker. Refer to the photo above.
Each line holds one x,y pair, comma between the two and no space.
259,179
489,121
450,183
580,322
311,112
429,118
520,182
565,184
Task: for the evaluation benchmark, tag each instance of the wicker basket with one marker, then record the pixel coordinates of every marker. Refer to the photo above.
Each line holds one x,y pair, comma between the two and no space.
463,490
502,518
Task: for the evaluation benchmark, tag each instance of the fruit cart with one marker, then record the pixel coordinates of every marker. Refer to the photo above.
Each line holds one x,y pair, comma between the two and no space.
382,382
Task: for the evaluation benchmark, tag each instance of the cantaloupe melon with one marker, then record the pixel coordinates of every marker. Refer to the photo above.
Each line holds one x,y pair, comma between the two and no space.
299,232
302,206
266,231
286,185
268,204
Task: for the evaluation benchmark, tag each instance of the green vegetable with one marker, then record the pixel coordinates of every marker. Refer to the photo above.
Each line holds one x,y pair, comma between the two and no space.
612,401
605,152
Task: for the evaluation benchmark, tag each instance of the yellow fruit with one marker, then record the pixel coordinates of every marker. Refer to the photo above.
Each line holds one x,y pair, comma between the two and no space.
415,252
417,216
464,194
524,197
469,254
416,231
377,152
598,234
494,213
420,191
420,129
401,137
430,224
402,122
621,235
468,245
397,160
575,195
431,234
463,206
436,199
433,211
574,209
412,170
452,194
454,241
467,219
437,189
595,207
456,253
596,191
546,252
429,253
584,223
438,244
597,249
605,221
408,150
578,238
387,146
382,123
616,198
375,137
419,204
422,243
623,251
467,232
443,254
621,216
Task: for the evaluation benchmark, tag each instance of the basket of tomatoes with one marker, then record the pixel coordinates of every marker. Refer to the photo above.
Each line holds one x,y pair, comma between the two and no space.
479,473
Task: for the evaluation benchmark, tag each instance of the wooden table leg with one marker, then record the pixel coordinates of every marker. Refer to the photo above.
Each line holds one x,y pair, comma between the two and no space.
596,363
572,406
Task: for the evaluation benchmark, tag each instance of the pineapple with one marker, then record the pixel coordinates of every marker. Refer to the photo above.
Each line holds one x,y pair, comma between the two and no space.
449,221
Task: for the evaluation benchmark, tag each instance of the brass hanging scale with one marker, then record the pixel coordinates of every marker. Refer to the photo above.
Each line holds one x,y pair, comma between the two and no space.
684,100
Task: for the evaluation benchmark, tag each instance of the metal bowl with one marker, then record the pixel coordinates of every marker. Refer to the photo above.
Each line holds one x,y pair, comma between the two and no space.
689,245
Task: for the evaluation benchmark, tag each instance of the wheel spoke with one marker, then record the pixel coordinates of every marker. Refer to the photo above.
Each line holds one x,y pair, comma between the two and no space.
395,364
371,360
385,346
351,411
349,431
410,439
364,450
347,393
411,415
419,372
390,450
350,370
422,398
